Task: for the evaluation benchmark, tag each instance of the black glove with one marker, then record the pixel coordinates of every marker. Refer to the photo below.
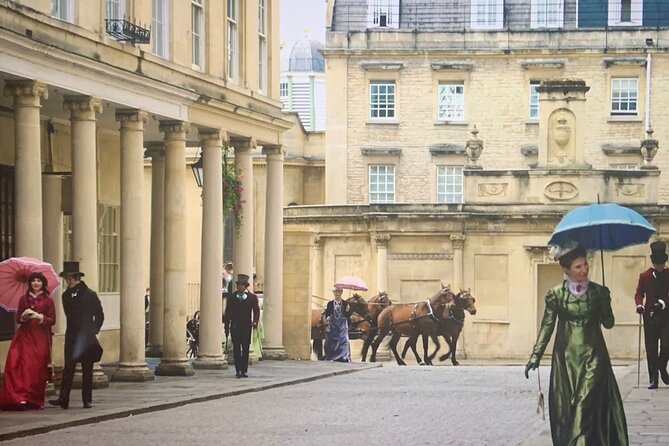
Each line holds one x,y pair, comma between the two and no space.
639,309
530,366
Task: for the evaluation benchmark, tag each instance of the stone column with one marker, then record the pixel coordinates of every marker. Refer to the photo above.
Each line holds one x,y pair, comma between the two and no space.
273,297
157,274
83,111
132,361
84,185
210,355
53,238
382,261
243,244
458,242
317,272
28,165
174,362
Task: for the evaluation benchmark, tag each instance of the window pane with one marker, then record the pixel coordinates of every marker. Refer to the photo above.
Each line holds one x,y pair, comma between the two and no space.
381,184
451,102
449,184
624,93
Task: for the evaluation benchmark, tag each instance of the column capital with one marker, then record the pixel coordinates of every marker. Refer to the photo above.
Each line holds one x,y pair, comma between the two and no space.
218,136
26,91
174,129
243,145
154,149
458,241
128,117
272,149
81,107
318,240
382,239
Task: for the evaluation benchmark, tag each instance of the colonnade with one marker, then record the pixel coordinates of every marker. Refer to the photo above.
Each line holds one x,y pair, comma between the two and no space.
39,227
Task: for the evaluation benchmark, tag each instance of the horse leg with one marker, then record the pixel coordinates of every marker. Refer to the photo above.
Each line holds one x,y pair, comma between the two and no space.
435,339
393,346
318,348
413,340
375,345
447,355
368,341
454,343
407,344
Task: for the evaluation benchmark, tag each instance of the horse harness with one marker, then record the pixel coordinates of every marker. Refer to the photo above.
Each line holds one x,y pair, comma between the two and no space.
430,313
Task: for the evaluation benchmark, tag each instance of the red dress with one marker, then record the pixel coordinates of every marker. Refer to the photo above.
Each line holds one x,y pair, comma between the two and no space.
28,357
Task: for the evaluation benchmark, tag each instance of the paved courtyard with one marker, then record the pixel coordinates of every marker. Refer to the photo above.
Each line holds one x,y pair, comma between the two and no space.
311,403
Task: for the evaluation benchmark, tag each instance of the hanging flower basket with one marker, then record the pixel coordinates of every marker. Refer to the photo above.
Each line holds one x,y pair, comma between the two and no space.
232,192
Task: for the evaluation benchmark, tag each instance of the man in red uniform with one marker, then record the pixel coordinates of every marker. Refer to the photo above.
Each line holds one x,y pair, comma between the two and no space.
242,313
651,300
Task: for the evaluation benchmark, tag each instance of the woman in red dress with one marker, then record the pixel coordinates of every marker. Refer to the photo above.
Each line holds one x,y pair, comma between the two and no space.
26,368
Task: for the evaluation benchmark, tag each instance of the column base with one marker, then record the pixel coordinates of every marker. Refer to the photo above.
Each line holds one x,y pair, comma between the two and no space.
174,368
154,351
100,380
50,389
274,354
132,373
205,362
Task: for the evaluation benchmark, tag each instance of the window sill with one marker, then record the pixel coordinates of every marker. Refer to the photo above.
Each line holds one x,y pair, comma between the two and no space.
391,122
532,122
624,118
455,123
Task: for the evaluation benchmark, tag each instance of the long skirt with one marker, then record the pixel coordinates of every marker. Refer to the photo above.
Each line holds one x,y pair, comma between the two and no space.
336,340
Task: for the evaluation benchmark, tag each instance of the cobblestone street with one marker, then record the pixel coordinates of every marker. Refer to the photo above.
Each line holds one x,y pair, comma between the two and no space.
468,405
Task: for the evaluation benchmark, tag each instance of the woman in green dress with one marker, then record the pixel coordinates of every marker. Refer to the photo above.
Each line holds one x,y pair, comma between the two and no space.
584,401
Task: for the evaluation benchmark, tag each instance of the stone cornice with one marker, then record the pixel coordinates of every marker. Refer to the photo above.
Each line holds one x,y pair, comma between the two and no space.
381,65
381,151
419,256
457,65
530,64
624,61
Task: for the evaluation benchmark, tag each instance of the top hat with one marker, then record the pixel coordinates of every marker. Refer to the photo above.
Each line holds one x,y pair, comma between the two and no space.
242,279
658,252
70,269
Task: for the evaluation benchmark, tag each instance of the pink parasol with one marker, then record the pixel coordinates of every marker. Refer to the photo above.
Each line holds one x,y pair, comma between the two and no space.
354,283
14,274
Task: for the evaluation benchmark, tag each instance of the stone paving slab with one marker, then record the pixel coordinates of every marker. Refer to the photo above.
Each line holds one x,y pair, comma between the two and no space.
122,399
647,411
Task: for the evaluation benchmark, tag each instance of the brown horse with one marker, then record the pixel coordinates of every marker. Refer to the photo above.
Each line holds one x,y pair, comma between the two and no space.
449,328
411,319
375,305
319,324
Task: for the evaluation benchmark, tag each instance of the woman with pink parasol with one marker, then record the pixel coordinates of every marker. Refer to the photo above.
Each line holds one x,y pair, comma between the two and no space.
26,368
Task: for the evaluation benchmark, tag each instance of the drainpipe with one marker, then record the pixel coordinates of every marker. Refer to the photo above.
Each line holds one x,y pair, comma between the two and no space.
648,63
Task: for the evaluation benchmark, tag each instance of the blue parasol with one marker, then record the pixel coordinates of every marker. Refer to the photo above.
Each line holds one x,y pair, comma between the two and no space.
606,227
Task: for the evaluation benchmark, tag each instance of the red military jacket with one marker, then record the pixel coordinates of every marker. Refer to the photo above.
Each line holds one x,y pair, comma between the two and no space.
646,288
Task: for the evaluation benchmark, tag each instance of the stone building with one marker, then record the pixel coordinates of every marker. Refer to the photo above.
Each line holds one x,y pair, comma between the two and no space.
459,132
89,86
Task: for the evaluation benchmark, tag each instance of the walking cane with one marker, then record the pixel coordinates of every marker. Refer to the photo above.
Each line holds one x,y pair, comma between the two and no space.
638,358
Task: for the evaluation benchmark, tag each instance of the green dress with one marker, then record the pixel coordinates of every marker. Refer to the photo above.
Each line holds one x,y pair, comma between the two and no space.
584,401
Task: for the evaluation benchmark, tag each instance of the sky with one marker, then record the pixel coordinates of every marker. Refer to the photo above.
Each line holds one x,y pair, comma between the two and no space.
297,15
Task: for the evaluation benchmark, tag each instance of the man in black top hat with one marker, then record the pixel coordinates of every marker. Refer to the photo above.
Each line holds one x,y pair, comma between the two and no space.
242,313
84,315
652,297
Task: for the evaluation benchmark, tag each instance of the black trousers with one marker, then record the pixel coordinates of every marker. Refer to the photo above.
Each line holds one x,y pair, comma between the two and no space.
86,381
241,341
656,331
